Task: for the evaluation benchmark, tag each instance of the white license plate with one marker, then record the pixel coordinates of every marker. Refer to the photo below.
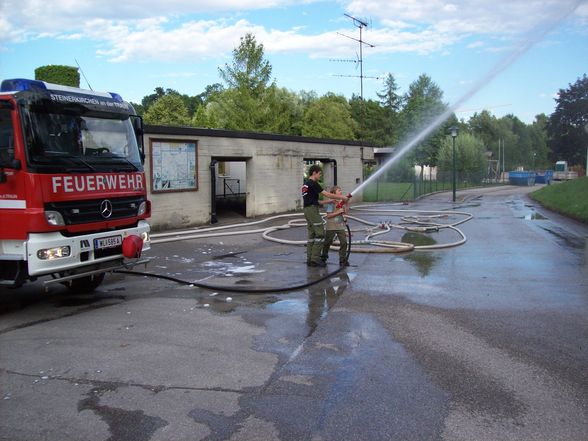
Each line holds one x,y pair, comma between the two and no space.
107,242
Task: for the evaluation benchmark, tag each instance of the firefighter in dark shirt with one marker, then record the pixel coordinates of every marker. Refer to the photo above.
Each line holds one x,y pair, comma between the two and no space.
314,222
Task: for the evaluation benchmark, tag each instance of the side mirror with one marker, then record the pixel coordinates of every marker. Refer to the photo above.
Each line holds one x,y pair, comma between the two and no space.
138,128
138,125
6,105
14,164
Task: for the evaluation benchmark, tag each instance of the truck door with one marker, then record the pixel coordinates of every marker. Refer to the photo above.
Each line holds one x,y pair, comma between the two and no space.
12,182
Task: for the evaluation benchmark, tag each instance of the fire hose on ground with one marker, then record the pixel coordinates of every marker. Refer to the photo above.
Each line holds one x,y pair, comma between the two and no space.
418,221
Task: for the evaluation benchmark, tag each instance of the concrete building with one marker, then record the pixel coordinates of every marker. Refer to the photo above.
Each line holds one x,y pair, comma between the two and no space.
187,170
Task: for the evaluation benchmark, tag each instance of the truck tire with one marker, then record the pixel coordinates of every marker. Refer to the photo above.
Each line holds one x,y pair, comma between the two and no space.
85,284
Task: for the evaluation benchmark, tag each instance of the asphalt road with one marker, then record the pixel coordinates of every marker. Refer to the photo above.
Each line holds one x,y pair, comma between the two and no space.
487,340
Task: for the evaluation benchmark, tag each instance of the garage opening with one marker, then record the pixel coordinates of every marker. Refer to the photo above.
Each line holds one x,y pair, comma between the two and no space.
229,188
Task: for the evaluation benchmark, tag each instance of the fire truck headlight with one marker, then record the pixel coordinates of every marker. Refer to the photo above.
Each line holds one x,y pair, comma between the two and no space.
54,218
54,253
142,208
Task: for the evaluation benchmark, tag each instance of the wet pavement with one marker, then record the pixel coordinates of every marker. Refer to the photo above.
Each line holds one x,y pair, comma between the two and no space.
235,338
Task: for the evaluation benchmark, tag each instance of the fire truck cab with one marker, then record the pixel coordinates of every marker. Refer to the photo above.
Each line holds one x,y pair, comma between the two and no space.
73,199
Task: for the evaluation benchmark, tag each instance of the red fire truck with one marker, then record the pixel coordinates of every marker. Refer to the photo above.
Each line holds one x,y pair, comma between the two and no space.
73,201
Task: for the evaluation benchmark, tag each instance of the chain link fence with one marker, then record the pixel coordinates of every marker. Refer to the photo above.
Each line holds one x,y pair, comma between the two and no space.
387,189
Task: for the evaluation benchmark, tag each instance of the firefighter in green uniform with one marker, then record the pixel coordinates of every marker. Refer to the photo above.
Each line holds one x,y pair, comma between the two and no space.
316,230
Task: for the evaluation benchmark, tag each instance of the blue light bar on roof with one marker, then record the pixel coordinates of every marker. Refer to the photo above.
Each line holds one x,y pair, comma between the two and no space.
21,84
116,97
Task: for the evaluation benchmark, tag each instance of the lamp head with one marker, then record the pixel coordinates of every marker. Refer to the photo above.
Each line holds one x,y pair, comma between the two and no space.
453,131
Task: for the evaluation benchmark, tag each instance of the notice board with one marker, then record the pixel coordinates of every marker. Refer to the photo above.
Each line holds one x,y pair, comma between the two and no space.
174,165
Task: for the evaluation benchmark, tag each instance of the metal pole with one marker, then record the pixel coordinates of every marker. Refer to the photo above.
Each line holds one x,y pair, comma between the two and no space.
498,175
454,177
503,158
453,131
213,219
586,130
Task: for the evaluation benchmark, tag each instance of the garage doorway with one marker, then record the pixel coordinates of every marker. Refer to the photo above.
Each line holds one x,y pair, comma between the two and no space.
229,201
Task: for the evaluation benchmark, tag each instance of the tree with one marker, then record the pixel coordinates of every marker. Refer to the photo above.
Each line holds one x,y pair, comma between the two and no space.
538,133
566,128
391,102
329,117
251,102
510,155
249,71
470,156
168,110
423,103
372,123
485,126
204,118
389,97
210,92
284,111
191,102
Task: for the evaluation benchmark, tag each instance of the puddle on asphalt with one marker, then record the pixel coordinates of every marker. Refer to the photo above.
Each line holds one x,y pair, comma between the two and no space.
424,261
525,211
317,303
229,269
418,239
534,216
313,303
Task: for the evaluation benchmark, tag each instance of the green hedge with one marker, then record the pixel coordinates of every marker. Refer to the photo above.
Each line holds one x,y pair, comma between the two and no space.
64,75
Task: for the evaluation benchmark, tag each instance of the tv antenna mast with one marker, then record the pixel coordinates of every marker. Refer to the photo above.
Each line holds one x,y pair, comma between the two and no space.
360,24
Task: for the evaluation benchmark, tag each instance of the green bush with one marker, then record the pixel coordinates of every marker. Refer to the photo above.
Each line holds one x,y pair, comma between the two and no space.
64,75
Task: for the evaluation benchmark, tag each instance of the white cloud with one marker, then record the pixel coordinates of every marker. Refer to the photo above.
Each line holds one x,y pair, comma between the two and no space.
475,44
465,16
142,30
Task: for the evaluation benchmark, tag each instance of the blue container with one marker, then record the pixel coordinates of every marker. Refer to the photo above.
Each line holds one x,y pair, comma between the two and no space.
544,177
526,178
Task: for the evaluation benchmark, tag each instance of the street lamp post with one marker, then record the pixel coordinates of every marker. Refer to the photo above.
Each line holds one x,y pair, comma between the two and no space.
586,129
453,132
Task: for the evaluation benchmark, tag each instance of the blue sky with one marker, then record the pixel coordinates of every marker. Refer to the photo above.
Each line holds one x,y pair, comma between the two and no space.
133,46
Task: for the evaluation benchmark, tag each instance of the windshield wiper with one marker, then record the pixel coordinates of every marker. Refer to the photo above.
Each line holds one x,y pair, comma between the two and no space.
68,156
130,163
115,160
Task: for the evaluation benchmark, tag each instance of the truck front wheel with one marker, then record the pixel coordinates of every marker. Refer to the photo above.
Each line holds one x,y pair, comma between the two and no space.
85,284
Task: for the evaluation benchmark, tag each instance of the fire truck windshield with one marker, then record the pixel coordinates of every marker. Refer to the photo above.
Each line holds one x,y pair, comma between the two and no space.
74,142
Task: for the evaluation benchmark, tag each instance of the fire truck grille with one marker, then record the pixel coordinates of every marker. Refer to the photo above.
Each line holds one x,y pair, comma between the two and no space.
96,210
